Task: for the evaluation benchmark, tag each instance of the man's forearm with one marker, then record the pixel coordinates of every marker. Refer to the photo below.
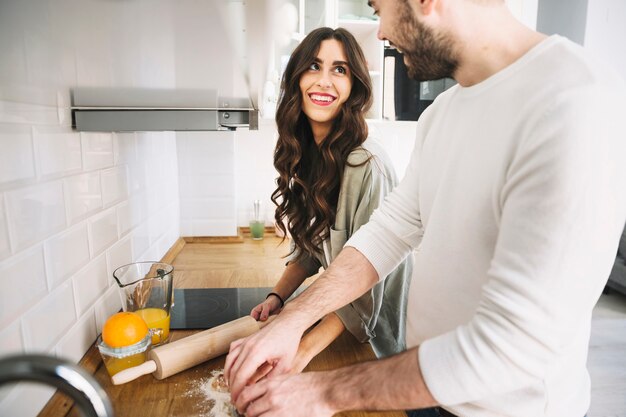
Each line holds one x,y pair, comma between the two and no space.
347,278
395,383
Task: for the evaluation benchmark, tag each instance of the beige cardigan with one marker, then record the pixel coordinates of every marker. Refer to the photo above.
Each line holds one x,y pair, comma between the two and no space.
379,315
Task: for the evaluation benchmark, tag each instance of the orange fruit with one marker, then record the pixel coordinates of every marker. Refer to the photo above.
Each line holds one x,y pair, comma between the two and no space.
124,329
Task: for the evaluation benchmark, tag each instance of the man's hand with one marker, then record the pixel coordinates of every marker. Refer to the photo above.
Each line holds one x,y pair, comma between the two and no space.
349,276
274,345
301,395
394,383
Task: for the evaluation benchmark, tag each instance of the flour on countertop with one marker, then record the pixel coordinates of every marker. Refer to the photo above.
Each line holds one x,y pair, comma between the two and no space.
216,395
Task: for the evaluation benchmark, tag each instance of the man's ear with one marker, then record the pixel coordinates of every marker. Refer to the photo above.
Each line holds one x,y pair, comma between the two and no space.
426,6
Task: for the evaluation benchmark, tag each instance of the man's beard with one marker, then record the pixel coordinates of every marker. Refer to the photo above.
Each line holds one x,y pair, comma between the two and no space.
428,55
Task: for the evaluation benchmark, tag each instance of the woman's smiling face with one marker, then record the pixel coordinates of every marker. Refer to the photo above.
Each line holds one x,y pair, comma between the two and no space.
325,86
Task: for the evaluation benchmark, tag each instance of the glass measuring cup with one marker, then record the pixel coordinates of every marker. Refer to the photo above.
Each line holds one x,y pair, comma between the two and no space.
146,288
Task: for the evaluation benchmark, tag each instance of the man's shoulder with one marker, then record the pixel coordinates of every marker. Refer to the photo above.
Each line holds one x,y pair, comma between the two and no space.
572,67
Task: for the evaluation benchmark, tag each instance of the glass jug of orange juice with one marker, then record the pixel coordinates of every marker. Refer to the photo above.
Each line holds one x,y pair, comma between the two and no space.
147,289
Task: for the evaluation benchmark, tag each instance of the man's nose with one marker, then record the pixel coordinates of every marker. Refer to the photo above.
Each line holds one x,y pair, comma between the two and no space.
380,35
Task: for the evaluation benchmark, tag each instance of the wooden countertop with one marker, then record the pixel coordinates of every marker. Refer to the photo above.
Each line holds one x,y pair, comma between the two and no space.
208,265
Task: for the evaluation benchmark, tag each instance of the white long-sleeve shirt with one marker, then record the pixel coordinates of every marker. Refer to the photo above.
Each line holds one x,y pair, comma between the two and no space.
515,198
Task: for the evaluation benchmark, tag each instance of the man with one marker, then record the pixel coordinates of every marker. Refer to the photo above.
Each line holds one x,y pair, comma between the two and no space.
514,199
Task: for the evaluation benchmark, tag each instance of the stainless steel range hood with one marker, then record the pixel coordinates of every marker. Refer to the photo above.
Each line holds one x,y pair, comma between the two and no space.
143,109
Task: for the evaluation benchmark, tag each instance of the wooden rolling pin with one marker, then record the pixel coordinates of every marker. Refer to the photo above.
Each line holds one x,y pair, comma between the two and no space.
182,354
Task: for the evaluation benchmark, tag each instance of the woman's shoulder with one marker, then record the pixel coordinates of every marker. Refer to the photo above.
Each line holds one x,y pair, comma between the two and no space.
371,154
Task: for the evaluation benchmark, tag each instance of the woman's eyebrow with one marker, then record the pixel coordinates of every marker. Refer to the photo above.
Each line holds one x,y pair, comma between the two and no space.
319,61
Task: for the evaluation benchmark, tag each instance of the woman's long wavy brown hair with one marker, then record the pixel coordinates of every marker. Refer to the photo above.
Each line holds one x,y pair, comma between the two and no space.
309,176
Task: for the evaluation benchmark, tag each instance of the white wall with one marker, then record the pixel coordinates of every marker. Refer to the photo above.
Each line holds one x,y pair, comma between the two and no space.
606,32
254,171
564,17
206,162
525,11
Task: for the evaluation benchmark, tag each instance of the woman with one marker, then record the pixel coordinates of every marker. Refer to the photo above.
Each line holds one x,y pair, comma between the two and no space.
331,178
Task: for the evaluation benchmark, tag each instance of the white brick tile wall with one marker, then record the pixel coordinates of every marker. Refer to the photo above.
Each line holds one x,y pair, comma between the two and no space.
13,66
114,185
124,221
97,150
186,228
255,173
29,113
145,144
108,304
119,254
209,208
23,282
16,159
136,176
141,239
156,200
155,227
206,186
93,63
398,139
45,323
138,207
124,148
66,253
166,241
57,150
214,227
183,149
5,244
40,66
78,339
83,195
206,162
35,213
149,255
173,211
26,399
102,231
90,283
11,339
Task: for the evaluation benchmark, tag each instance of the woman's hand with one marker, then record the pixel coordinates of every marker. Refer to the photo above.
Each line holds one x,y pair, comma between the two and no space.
302,359
271,305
